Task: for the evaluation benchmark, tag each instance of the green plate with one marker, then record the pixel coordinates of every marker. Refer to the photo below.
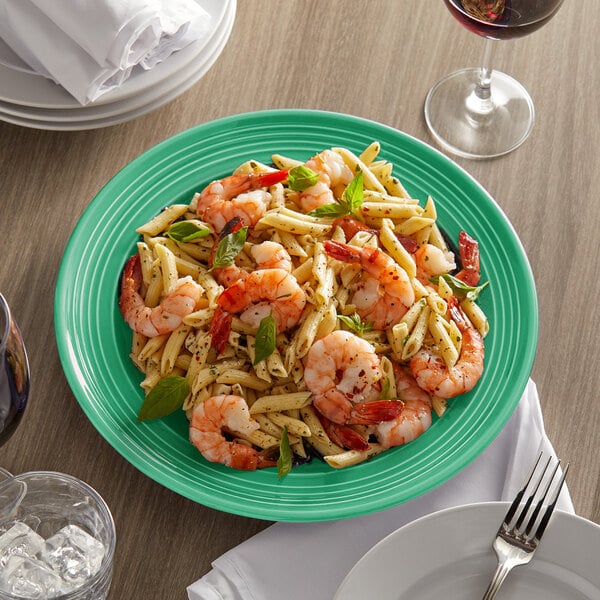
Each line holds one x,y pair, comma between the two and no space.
94,342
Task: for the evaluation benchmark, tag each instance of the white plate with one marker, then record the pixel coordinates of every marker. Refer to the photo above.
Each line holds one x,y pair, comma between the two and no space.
28,89
449,555
93,117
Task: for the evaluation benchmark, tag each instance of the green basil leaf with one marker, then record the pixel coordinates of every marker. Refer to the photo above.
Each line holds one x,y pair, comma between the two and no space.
229,247
284,462
348,204
186,231
164,398
265,339
333,210
354,193
458,287
301,178
355,323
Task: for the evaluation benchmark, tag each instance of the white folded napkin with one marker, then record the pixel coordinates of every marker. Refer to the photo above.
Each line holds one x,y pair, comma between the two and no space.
91,46
274,563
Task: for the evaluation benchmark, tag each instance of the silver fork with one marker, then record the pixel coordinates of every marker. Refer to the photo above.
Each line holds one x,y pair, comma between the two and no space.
520,534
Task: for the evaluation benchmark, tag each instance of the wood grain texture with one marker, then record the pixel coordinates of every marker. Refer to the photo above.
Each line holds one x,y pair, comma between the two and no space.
374,59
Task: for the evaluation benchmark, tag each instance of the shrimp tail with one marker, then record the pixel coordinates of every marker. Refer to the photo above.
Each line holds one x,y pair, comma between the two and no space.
245,458
343,252
378,411
351,226
469,257
131,280
342,435
220,328
132,267
267,457
268,179
458,315
232,226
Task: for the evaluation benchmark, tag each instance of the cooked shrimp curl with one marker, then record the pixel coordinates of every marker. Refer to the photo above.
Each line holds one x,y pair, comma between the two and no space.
240,196
334,176
430,370
266,254
384,292
343,372
226,413
262,293
165,317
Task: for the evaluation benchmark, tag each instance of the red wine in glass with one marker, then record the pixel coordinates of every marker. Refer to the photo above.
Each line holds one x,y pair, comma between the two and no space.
14,373
503,19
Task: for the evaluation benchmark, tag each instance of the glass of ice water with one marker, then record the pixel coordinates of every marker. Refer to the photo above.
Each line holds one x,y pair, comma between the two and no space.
57,538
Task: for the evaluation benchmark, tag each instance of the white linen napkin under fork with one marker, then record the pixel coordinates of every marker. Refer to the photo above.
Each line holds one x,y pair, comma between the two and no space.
91,46
274,563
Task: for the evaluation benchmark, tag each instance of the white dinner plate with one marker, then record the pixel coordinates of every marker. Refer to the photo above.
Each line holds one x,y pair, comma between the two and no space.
103,115
20,87
449,555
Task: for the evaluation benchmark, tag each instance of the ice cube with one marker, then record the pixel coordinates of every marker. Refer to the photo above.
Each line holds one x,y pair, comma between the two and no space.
73,554
29,578
19,540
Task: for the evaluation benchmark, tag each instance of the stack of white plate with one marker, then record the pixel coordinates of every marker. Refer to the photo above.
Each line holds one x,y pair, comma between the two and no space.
31,100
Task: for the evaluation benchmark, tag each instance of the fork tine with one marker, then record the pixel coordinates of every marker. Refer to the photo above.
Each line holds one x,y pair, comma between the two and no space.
540,503
534,492
552,505
517,501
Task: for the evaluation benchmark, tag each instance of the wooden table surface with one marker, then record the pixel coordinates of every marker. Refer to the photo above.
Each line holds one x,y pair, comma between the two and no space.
374,59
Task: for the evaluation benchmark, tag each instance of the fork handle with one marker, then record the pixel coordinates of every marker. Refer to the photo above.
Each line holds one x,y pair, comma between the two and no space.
502,570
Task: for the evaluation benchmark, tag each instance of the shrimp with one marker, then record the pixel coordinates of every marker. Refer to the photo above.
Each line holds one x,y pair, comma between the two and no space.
262,293
432,261
384,293
237,196
415,417
267,255
226,413
334,176
165,317
343,372
431,372
271,255
469,257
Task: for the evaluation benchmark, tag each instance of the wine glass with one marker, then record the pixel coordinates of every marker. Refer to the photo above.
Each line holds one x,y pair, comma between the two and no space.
479,112
14,373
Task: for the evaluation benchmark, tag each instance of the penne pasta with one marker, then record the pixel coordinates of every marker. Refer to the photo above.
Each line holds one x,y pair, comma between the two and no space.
172,348
163,220
281,402
353,457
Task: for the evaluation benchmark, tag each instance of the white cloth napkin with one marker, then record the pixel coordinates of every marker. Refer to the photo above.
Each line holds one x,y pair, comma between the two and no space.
274,563
91,46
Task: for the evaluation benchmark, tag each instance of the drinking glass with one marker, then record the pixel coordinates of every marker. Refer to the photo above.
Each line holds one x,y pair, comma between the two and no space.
57,538
480,112
14,373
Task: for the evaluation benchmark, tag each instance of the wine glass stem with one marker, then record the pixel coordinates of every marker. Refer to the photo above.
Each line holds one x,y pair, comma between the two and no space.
479,103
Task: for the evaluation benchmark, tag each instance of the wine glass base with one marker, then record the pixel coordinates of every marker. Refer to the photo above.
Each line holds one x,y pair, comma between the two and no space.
468,132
